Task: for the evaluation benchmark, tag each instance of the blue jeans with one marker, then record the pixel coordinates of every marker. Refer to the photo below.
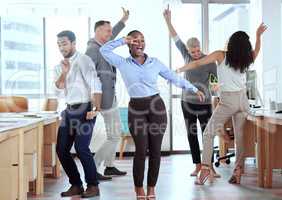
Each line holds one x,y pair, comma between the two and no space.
76,129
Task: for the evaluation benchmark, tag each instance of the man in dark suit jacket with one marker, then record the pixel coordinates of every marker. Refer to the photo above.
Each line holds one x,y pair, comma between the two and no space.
109,110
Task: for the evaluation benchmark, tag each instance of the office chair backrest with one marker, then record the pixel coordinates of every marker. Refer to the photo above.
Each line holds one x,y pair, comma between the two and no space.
51,104
13,104
123,112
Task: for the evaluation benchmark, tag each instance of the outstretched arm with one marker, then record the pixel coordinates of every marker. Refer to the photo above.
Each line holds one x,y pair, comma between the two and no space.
121,24
167,16
261,29
169,75
215,57
107,50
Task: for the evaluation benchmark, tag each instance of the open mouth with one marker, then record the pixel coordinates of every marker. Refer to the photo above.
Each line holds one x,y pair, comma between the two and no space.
139,49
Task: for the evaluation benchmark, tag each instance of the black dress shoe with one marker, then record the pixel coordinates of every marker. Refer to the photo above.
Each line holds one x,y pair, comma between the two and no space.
113,171
103,178
73,191
91,191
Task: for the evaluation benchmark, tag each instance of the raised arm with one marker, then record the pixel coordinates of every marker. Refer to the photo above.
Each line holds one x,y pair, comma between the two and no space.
121,24
59,81
167,16
107,52
215,57
171,76
178,42
61,74
261,29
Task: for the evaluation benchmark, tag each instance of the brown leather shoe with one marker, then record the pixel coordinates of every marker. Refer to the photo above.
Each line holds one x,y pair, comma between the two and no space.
91,191
72,191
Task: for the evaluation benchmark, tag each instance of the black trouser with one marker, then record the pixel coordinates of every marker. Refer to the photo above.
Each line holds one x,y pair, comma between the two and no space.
75,129
147,122
191,113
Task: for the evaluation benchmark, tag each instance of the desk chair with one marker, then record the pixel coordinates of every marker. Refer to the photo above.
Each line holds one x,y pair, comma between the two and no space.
223,154
13,104
51,104
123,111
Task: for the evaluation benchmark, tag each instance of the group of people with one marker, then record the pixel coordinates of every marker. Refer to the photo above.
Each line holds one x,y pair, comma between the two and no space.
88,84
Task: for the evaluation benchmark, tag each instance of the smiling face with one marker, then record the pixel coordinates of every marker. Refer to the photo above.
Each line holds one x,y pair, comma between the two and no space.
104,32
195,52
194,48
66,47
137,50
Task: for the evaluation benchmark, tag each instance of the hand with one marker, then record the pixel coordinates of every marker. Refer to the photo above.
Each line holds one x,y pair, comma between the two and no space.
167,14
215,87
125,15
91,114
200,95
130,40
65,66
262,27
178,71
226,138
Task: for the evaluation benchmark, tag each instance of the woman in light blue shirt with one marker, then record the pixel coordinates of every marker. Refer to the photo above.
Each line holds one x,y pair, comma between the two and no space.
147,117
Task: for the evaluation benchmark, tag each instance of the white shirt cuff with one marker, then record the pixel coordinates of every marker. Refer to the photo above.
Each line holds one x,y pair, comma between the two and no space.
176,38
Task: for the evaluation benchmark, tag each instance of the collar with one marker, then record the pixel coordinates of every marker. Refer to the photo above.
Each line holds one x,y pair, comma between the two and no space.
147,60
97,42
74,56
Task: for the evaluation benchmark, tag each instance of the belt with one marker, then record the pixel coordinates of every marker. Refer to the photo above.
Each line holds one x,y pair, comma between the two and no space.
144,98
77,105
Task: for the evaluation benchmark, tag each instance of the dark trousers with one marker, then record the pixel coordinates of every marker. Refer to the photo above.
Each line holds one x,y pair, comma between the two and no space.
147,122
191,113
75,129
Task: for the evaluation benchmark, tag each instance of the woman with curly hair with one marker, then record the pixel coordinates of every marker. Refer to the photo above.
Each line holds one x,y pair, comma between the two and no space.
231,71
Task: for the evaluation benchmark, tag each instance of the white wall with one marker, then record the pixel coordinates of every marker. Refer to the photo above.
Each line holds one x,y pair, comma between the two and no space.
270,13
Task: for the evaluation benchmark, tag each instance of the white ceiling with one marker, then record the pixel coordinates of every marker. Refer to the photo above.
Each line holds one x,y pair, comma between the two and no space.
66,7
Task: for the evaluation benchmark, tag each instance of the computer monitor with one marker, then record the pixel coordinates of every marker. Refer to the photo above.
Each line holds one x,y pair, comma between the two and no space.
251,84
252,90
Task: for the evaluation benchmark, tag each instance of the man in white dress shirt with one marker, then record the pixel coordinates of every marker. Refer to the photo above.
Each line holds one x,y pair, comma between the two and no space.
76,77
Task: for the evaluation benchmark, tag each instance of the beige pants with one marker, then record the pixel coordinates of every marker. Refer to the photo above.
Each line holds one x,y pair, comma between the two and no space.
231,104
107,151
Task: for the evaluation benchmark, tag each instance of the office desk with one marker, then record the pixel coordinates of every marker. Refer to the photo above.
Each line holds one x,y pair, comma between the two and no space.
11,166
14,146
25,135
52,165
269,142
250,136
50,126
263,129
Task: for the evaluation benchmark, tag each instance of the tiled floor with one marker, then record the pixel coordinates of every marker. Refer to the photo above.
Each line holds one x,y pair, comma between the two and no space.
176,184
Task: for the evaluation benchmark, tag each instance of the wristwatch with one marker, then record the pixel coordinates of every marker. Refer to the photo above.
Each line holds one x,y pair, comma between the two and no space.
95,109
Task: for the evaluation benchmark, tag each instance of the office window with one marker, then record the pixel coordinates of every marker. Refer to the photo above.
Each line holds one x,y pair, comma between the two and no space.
225,19
187,20
54,25
22,70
